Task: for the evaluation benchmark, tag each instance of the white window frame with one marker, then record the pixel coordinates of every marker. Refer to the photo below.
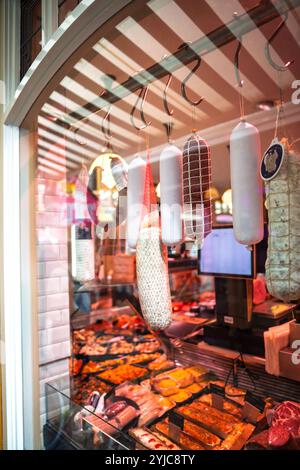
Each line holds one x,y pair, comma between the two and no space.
21,397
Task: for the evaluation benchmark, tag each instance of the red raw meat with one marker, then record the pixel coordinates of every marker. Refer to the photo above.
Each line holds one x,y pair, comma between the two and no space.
259,441
279,436
287,414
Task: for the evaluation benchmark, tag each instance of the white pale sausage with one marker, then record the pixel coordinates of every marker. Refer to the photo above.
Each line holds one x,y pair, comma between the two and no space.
171,195
246,184
135,199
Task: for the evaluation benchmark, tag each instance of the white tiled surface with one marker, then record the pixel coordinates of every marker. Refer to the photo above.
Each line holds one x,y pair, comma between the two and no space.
53,289
51,302
51,235
48,269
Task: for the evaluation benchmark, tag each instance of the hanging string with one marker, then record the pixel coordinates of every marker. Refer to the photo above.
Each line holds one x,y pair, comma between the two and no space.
194,119
277,120
295,141
241,102
239,80
146,140
139,143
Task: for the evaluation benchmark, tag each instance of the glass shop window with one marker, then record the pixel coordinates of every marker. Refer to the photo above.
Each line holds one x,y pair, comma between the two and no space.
65,7
31,33
100,127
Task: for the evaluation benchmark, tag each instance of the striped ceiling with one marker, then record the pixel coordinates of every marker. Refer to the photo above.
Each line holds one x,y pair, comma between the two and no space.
156,30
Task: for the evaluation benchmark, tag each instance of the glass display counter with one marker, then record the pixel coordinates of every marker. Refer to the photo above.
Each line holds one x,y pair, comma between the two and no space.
72,426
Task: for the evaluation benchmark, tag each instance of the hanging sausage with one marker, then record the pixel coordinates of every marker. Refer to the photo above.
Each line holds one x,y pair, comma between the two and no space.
135,198
247,194
196,176
144,228
281,172
153,278
171,195
152,264
196,189
171,190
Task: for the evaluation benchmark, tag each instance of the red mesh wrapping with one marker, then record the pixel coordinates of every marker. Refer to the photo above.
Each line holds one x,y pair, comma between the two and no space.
197,183
150,200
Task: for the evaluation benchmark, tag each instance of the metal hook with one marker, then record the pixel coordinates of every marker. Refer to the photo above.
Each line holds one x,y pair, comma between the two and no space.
237,64
184,82
166,106
106,131
168,125
141,96
280,68
80,142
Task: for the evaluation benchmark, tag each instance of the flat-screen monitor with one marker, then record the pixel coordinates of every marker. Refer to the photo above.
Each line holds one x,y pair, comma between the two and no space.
222,256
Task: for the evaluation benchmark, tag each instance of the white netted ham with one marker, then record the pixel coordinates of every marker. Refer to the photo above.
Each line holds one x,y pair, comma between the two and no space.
171,196
283,205
246,184
152,275
196,189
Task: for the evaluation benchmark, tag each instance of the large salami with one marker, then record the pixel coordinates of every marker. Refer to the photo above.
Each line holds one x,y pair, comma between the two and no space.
283,205
196,189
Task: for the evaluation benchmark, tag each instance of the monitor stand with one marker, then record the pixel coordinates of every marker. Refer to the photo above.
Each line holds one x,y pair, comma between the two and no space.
232,329
234,302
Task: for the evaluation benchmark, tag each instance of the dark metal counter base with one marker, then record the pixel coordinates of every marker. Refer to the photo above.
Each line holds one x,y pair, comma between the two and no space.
55,440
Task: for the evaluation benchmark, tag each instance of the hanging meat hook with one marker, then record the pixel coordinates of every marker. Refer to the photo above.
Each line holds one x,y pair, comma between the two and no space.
141,97
184,82
166,106
279,68
168,125
106,129
237,64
